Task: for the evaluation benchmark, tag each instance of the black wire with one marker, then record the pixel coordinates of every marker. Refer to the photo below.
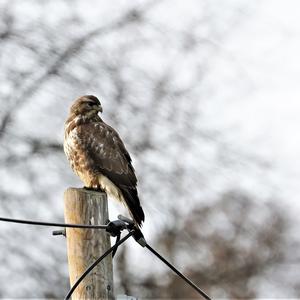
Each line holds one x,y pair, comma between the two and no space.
94,264
112,249
29,222
192,284
117,240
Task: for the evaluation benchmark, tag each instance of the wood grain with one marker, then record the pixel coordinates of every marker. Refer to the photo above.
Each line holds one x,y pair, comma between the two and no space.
86,245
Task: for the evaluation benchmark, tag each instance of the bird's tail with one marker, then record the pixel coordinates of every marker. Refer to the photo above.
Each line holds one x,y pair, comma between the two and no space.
133,203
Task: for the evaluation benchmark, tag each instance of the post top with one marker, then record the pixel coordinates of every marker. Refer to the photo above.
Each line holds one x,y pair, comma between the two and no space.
83,190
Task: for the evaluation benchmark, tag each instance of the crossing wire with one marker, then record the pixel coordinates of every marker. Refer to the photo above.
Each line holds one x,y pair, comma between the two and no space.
96,262
112,249
51,224
188,281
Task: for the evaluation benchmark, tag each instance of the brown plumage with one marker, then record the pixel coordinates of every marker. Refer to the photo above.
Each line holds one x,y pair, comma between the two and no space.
98,156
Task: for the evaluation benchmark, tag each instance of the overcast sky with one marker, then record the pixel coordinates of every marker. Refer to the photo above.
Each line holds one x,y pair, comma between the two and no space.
258,106
264,120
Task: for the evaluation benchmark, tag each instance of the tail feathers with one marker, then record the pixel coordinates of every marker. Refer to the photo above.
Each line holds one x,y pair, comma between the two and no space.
133,203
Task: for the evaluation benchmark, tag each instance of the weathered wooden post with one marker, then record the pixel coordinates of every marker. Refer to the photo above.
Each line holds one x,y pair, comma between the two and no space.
86,245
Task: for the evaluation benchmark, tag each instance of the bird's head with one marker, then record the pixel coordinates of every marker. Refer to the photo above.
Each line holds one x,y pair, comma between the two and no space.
87,105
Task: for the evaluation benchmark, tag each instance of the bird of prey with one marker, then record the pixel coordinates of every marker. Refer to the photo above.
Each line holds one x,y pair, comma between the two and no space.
98,155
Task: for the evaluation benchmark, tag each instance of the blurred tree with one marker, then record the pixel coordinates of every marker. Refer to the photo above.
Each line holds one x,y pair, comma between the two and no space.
224,247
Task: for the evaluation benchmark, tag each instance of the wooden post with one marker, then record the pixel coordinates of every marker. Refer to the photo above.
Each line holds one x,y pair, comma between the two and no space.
86,245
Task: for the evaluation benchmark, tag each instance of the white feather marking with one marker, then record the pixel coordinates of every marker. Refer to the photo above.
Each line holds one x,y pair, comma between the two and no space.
105,184
110,188
70,142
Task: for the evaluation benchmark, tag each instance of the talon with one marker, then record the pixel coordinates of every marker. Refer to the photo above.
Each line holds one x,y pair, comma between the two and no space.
95,189
88,188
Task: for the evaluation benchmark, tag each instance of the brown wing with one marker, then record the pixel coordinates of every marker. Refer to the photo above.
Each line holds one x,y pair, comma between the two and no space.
107,155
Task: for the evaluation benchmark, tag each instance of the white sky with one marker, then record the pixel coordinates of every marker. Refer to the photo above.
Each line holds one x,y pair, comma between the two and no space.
265,120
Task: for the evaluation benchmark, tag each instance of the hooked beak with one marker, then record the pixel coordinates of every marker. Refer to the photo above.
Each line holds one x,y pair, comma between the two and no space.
98,108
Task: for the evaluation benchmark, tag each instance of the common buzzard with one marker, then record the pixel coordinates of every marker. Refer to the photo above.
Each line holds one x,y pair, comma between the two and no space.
98,156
